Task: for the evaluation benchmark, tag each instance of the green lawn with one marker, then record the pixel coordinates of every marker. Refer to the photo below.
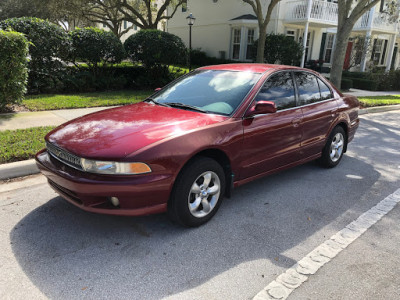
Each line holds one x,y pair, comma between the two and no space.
21,144
51,101
379,100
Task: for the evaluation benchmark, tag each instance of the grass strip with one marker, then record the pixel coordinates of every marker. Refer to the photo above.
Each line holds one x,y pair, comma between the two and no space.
21,144
55,101
379,100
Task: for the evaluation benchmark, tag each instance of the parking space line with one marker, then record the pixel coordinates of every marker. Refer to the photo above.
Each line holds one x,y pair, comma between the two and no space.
288,281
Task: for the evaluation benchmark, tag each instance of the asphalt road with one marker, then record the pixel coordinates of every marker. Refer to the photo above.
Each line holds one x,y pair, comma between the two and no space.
50,249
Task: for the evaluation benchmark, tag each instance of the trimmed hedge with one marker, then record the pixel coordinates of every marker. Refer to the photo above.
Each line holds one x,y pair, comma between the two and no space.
154,48
364,84
346,83
348,74
49,46
93,45
108,78
13,67
199,58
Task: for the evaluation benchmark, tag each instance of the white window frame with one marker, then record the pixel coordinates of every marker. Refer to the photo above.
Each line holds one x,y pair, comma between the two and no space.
288,32
332,48
248,43
236,42
378,49
243,41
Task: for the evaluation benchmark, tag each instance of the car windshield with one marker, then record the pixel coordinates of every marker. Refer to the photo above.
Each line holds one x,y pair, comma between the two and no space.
213,91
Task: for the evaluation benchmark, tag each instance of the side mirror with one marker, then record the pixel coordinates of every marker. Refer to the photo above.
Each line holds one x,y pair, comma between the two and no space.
261,108
157,89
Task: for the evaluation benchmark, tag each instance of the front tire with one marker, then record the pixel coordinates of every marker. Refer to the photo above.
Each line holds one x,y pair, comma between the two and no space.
334,148
197,193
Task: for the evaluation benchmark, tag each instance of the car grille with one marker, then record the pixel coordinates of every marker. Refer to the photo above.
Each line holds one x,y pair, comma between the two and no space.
64,156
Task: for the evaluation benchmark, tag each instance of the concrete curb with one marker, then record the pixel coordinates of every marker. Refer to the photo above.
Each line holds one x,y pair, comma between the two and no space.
28,167
18,169
377,109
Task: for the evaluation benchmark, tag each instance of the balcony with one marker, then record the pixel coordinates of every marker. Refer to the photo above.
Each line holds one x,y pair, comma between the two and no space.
380,23
323,14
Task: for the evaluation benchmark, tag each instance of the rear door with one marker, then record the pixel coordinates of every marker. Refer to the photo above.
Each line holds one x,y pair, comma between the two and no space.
319,111
272,140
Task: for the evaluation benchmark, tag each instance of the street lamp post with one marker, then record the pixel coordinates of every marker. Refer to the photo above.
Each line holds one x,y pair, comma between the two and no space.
190,19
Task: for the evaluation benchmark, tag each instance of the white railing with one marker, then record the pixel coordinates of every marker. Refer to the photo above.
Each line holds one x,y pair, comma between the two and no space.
380,22
321,12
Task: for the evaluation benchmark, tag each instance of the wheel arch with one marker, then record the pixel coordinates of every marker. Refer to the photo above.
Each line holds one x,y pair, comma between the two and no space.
346,131
220,157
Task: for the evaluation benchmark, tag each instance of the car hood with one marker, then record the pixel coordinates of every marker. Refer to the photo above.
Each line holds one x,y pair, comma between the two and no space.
118,132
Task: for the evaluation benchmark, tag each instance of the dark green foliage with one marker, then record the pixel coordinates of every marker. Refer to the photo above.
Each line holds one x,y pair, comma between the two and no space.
13,67
364,84
363,75
108,78
154,48
199,58
387,81
93,45
49,45
346,84
281,49
380,80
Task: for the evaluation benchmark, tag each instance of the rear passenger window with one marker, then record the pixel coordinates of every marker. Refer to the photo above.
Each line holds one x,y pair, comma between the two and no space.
308,88
324,89
279,89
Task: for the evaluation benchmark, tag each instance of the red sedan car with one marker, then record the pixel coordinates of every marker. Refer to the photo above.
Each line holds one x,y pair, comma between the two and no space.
189,144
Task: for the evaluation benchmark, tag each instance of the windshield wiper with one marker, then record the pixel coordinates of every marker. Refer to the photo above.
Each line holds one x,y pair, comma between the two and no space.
156,102
186,106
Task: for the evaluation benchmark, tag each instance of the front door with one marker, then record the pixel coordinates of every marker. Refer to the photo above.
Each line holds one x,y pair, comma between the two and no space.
272,140
347,58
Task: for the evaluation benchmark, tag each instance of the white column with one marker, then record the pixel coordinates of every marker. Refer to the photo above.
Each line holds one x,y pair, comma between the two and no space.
367,40
243,43
308,13
390,53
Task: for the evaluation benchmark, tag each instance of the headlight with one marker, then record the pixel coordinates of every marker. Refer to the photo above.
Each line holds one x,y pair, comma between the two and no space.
112,167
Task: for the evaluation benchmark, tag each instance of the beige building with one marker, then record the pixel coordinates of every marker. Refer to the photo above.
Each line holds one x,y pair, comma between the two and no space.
226,29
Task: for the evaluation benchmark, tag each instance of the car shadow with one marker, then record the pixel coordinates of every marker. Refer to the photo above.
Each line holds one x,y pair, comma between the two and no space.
68,253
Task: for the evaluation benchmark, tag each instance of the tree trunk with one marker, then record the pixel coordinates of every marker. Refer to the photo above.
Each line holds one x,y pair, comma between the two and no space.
261,45
339,54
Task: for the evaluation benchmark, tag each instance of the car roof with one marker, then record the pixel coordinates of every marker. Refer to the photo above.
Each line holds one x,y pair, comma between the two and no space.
256,68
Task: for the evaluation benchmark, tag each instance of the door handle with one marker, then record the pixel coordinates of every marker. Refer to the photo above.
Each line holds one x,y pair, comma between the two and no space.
296,122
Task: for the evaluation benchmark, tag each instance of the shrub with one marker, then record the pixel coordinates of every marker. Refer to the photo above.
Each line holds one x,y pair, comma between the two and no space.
346,84
113,78
364,84
154,48
13,67
49,45
396,79
200,58
348,74
282,49
93,45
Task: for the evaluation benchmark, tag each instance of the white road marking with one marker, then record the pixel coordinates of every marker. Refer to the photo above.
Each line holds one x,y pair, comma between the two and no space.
287,282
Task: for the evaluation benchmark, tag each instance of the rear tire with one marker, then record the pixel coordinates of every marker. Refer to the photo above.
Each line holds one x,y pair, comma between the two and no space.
197,192
334,148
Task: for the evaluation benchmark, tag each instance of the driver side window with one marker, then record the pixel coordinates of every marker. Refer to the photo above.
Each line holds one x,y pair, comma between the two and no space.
279,89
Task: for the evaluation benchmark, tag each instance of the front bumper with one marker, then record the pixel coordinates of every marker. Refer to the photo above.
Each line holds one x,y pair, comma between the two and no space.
138,194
